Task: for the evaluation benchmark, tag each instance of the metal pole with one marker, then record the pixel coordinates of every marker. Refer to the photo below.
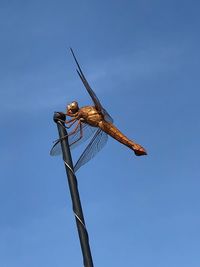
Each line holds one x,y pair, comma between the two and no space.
73,186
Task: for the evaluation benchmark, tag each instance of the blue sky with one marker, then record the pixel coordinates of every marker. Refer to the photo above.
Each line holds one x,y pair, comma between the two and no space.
142,60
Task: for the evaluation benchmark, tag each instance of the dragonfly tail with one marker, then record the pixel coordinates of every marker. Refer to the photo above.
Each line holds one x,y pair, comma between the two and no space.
139,150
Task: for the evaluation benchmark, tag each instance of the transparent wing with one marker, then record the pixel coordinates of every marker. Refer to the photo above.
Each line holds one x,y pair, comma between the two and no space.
95,99
86,84
90,91
107,117
88,131
96,144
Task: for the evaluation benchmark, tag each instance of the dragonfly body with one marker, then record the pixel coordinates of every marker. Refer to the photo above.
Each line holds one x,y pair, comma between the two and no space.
90,115
112,130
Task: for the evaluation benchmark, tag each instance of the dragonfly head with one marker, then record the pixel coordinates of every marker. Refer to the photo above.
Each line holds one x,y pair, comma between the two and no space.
72,108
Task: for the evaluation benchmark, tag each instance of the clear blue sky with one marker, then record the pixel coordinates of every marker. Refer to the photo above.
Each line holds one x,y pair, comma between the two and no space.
142,59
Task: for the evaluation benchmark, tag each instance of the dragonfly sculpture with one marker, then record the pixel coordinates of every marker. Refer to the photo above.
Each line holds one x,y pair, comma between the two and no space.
88,121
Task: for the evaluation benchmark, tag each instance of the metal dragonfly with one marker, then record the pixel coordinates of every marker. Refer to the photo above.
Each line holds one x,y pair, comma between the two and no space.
91,120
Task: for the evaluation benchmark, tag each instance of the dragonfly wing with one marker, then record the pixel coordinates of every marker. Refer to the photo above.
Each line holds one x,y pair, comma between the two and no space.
56,149
107,116
87,131
86,84
96,144
91,92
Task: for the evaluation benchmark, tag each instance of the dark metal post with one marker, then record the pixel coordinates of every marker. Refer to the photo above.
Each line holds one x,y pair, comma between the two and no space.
73,186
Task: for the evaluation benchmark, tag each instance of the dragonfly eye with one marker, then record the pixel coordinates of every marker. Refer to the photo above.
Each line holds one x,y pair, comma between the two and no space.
73,107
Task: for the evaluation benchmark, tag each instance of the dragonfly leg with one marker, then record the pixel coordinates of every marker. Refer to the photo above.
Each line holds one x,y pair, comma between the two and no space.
69,134
81,134
72,121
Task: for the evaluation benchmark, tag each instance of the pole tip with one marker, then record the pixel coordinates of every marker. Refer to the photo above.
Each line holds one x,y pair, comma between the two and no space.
59,116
